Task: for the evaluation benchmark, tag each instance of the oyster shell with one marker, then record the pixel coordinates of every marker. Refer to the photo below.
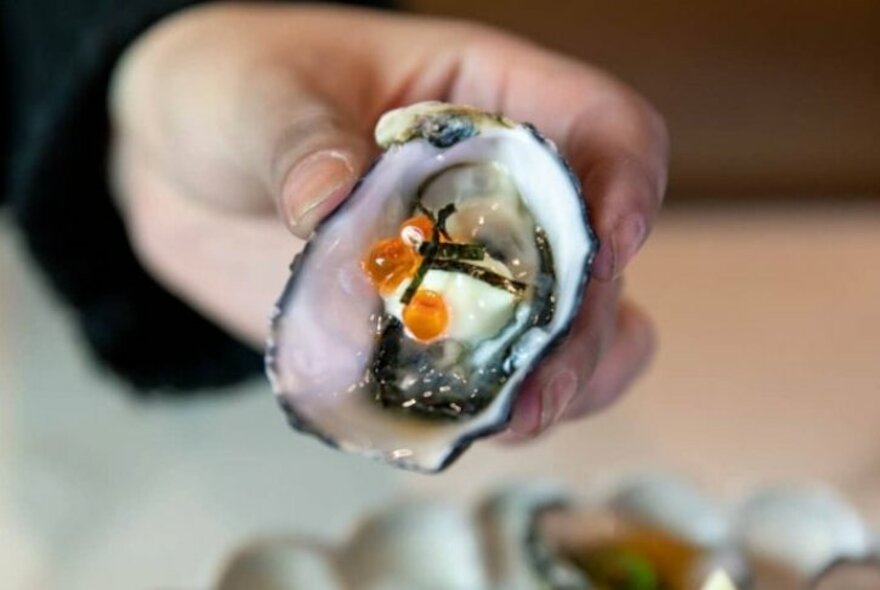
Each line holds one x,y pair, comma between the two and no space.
792,535
420,305
850,574
536,536
651,532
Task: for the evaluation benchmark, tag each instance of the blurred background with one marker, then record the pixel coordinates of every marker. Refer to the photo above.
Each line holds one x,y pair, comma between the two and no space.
762,98
763,275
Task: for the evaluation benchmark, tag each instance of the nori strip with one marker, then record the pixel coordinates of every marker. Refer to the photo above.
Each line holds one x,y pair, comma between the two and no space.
430,215
481,274
457,251
417,279
439,392
427,212
442,216
430,251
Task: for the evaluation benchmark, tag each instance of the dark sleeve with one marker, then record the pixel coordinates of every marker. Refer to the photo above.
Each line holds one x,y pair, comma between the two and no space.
5,119
64,52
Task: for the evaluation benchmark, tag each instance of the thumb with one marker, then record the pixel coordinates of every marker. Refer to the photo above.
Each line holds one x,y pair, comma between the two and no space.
312,153
314,186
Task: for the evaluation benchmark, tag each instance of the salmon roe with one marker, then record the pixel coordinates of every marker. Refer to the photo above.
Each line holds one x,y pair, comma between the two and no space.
421,223
389,262
426,315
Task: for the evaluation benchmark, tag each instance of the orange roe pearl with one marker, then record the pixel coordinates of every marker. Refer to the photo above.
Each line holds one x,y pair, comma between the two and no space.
426,315
389,262
422,223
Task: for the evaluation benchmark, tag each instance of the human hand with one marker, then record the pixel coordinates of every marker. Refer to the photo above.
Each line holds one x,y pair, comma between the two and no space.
238,127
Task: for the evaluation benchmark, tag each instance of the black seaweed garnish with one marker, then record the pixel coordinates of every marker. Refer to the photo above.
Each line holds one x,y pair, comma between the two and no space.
421,207
443,216
417,279
452,251
430,380
428,252
434,380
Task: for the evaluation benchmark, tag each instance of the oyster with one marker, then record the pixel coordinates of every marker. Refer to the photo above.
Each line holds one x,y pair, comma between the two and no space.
653,532
419,306
719,581
539,537
850,574
792,536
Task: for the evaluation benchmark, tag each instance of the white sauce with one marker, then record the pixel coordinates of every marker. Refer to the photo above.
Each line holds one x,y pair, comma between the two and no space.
477,310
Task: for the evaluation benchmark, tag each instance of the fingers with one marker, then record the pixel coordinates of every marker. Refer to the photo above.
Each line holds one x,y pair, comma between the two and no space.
205,255
601,377
312,155
302,146
618,145
550,389
250,130
624,178
627,358
613,138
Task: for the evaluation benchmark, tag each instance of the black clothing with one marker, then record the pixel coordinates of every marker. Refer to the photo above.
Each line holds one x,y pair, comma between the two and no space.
56,58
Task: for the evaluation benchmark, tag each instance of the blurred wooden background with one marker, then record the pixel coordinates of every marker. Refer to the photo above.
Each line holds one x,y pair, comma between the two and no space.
778,98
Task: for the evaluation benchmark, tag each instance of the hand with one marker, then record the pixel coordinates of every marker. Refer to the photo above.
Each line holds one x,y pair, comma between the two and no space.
238,127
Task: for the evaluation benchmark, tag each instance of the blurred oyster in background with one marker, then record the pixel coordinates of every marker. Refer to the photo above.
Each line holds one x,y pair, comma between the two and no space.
850,574
719,580
652,533
791,535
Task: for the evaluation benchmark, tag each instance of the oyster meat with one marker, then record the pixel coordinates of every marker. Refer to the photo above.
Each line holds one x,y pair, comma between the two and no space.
419,306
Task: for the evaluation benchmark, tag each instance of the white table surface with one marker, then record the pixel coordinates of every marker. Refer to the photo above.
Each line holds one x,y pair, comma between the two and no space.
768,370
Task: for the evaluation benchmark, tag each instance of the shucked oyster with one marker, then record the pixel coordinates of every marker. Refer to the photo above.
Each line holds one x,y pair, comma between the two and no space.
537,537
419,306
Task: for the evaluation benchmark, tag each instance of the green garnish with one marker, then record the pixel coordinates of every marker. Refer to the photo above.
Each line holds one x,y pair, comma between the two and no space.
619,569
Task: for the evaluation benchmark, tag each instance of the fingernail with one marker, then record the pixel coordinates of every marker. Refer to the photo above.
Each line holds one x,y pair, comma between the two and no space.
619,248
629,235
526,419
603,266
555,397
315,186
